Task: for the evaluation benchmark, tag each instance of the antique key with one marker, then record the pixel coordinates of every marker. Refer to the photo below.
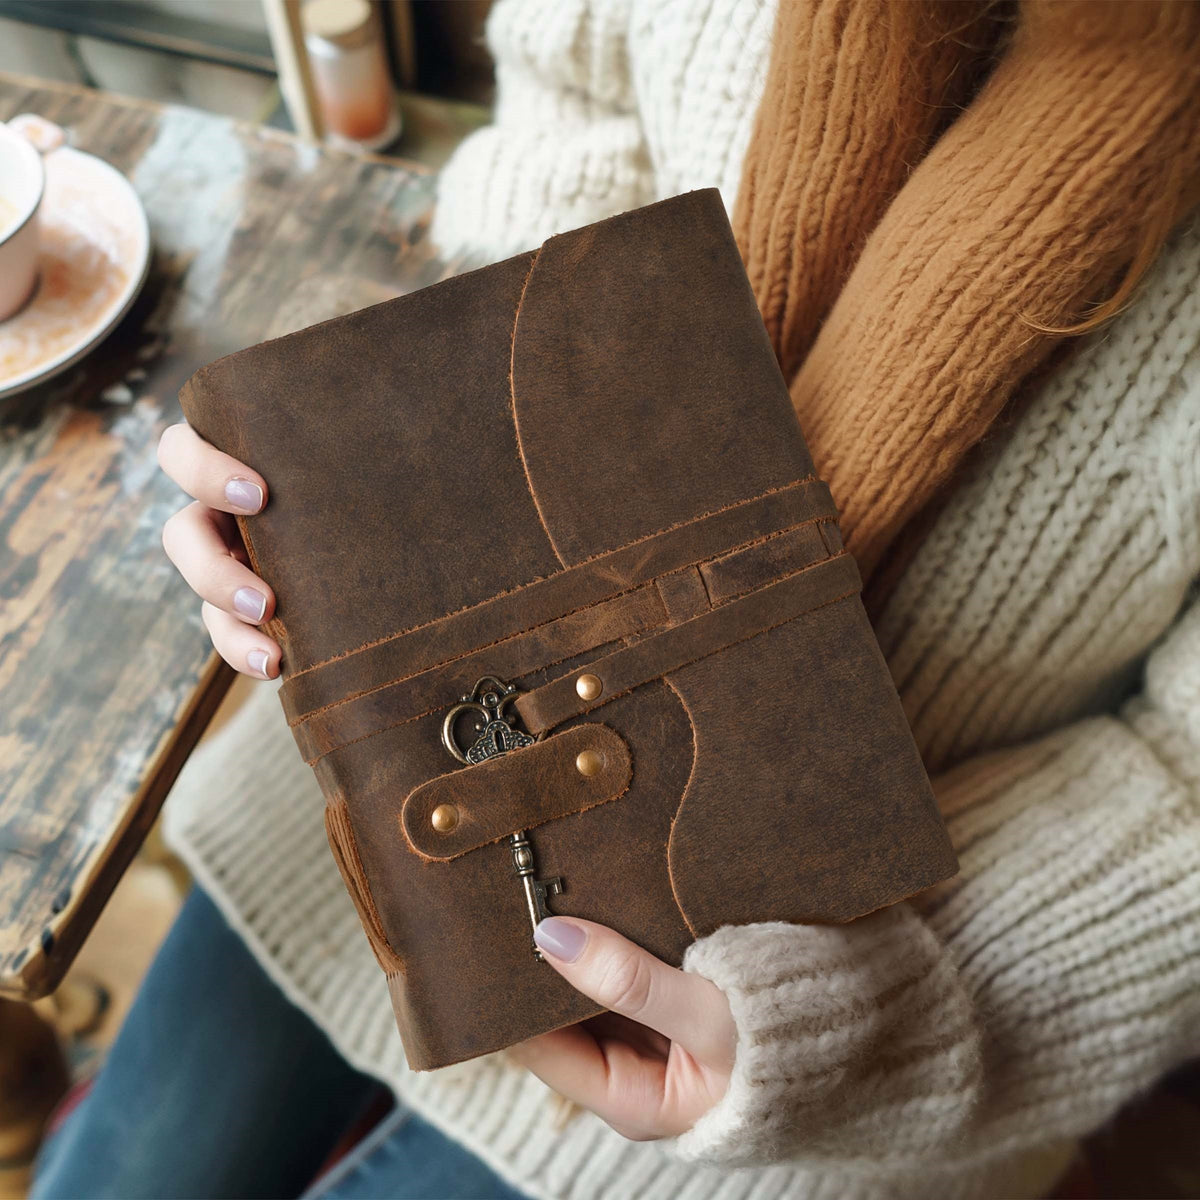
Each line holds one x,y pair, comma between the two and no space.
536,890
497,736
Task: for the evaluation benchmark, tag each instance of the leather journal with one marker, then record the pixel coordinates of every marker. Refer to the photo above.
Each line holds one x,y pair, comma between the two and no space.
567,622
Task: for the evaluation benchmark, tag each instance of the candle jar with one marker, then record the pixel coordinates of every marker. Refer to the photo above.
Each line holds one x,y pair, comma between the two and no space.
350,73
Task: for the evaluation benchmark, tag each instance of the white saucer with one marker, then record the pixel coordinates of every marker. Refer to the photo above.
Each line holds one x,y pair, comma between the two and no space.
95,253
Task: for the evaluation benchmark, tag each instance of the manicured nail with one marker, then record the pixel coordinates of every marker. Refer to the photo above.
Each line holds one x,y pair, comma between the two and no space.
563,939
244,496
250,604
257,661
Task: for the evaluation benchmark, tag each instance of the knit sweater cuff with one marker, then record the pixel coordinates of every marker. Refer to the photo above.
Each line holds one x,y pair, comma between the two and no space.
840,1029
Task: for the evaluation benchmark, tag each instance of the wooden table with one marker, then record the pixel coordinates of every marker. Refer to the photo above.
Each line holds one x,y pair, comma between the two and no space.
106,675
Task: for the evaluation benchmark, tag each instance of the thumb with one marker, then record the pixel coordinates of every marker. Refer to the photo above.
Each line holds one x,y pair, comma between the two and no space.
628,980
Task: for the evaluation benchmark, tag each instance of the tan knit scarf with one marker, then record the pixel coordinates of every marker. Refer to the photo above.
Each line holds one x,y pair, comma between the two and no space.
935,195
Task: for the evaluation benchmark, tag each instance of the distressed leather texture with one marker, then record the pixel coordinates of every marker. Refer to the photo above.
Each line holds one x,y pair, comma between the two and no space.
580,461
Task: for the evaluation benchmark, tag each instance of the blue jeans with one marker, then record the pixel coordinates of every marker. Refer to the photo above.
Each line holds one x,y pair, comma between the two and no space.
218,1087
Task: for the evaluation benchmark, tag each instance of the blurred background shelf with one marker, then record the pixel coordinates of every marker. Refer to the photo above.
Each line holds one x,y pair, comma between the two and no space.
217,55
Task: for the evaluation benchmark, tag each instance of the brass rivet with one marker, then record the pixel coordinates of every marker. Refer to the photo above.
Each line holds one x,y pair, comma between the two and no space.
588,687
589,763
445,818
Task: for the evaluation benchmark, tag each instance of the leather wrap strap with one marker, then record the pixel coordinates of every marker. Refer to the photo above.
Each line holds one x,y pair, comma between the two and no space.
389,660
674,648
652,620
436,689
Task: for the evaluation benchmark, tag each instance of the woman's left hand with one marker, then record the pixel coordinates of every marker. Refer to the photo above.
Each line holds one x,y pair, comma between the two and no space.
658,1060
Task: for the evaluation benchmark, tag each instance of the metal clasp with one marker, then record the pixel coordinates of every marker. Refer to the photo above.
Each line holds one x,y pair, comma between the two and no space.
496,735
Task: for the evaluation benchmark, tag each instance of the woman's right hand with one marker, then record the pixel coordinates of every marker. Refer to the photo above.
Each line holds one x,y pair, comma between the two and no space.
203,542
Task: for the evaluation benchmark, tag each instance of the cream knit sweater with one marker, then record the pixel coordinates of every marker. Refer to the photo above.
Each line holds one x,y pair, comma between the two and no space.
1050,667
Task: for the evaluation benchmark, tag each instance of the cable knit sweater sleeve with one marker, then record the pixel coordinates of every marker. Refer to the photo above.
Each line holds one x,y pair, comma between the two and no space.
1018,1004
566,146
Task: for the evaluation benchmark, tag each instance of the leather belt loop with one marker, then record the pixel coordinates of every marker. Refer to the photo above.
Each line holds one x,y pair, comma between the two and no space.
675,647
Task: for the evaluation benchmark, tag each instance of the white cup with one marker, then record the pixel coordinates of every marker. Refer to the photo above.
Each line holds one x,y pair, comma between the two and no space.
22,182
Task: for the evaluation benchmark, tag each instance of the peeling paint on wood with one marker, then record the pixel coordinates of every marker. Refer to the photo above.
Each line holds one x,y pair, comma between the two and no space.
106,677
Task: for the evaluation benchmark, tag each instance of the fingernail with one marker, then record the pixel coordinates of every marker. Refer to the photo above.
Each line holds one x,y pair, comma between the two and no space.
563,939
245,496
257,661
250,604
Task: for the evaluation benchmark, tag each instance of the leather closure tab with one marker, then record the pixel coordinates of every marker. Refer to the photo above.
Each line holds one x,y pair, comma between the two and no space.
568,773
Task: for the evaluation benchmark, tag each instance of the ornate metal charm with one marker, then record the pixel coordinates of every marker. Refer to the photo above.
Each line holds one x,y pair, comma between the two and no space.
496,735
495,732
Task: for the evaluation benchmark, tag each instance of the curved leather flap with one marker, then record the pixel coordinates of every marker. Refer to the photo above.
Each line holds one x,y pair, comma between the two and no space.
600,414
807,800
518,790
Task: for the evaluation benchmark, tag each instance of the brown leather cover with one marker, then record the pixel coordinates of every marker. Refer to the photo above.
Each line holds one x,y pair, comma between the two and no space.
581,461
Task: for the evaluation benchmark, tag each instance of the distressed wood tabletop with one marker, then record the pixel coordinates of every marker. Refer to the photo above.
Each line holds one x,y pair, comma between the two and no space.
106,675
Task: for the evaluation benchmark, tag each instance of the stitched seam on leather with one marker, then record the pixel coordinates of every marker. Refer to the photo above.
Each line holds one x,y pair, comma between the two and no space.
783,487
682,801
316,712
615,695
521,633
582,563
375,732
512,404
